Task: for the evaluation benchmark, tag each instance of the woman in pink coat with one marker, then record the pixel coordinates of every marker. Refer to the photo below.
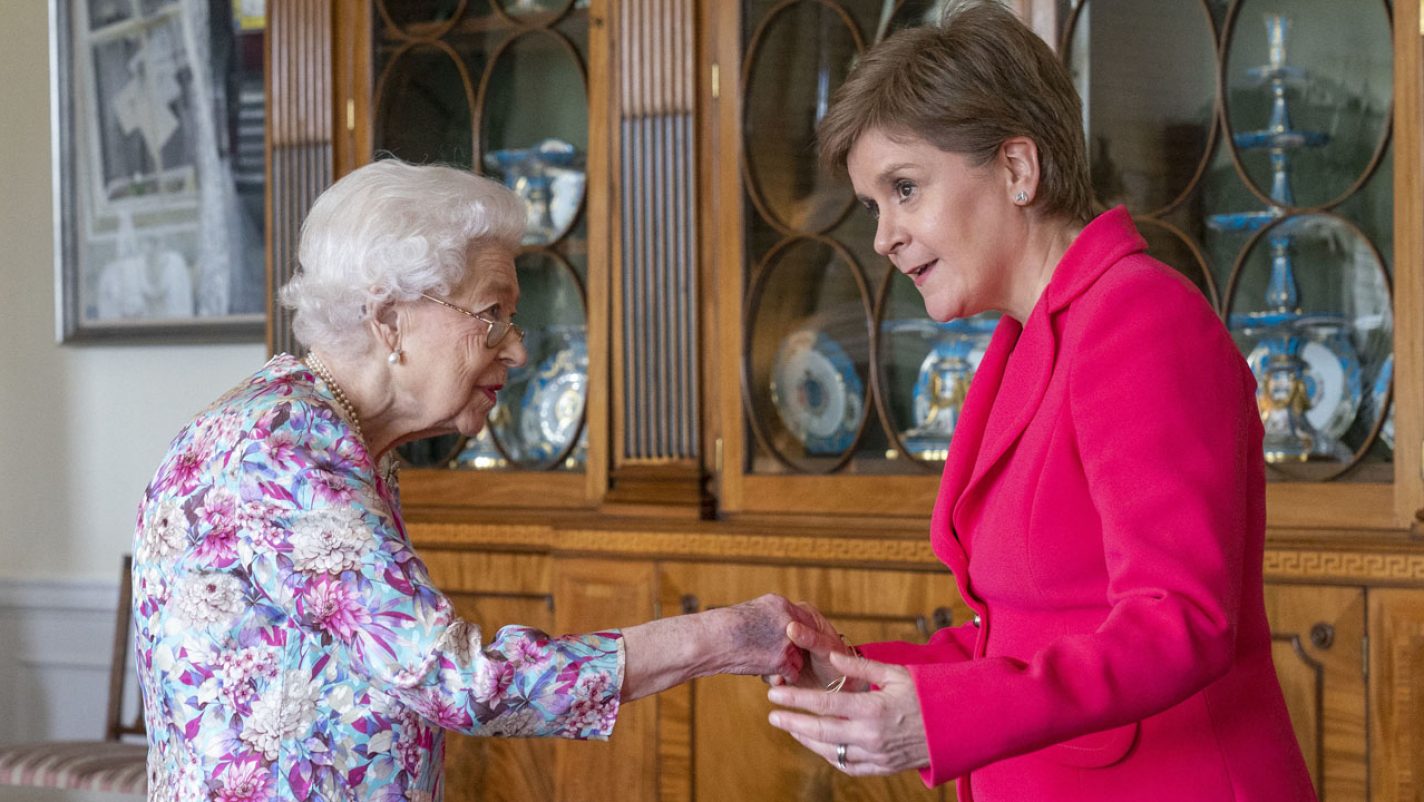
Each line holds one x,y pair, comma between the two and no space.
1102,507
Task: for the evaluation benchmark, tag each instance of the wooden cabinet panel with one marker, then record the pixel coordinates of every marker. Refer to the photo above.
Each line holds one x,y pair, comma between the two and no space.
558,596
1397,695
1318,645
494,590
734,753
601,594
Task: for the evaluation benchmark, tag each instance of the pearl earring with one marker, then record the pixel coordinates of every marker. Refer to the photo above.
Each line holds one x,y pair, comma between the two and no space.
1022,197
395,356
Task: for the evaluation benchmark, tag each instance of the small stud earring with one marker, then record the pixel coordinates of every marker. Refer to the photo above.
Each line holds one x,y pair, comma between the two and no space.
395,356
1021,198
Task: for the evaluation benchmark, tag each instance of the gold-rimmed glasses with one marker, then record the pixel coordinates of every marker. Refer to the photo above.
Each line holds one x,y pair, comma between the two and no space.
497,328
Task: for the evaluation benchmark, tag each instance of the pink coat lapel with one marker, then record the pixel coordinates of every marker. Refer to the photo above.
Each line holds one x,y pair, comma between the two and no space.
1020,394
967,439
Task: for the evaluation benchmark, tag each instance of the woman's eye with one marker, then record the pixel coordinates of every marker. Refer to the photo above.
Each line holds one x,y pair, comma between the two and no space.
904,189
871,209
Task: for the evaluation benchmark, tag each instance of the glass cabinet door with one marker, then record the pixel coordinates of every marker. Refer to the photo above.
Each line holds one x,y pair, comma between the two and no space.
500,87
1250,141
842,371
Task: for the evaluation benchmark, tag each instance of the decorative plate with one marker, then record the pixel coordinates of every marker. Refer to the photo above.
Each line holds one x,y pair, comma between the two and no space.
817,393
1332,378
554,400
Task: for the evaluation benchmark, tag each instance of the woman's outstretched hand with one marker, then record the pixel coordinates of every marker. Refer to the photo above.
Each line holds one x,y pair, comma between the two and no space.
815,636
881,730
755,637
746,638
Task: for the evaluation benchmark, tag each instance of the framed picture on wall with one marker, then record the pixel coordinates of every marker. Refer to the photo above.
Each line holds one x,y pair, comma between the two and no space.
159,169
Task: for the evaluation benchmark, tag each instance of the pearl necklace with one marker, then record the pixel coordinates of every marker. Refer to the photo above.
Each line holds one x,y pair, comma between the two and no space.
314,362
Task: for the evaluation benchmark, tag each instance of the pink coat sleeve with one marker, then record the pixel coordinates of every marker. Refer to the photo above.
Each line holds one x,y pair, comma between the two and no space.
1159,403
947,645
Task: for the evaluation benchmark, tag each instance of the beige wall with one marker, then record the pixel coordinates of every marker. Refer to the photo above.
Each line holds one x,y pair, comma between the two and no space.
81,427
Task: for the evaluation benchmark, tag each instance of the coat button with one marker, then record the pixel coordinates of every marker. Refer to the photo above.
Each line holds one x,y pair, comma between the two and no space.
977,621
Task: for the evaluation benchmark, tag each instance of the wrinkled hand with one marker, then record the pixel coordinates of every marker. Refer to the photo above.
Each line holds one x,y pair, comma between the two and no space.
755,638
882,728
818,638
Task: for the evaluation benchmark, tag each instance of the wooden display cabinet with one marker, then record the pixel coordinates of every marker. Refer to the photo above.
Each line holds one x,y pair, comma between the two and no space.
705,240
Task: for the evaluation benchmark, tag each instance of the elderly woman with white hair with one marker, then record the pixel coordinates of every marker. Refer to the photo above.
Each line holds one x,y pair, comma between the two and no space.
290,643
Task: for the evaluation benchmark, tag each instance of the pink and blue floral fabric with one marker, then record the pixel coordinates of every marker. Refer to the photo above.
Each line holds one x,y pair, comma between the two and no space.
290,644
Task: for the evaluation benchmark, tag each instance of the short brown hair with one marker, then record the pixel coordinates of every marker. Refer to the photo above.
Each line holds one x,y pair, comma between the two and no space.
966,85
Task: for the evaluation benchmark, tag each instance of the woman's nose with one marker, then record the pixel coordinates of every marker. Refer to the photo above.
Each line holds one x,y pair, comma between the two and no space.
514,354
888,237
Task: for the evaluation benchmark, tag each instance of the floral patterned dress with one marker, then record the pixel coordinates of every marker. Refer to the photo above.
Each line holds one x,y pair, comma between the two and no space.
290,644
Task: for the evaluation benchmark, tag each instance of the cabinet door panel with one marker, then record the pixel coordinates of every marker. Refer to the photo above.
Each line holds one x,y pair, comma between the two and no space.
494,590
1317,637
594,595
1397,694
734,753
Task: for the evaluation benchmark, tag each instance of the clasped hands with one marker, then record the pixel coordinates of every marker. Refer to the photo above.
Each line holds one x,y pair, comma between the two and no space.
859,715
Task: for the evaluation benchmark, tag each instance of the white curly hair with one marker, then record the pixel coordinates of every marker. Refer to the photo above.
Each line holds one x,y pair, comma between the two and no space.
389,231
